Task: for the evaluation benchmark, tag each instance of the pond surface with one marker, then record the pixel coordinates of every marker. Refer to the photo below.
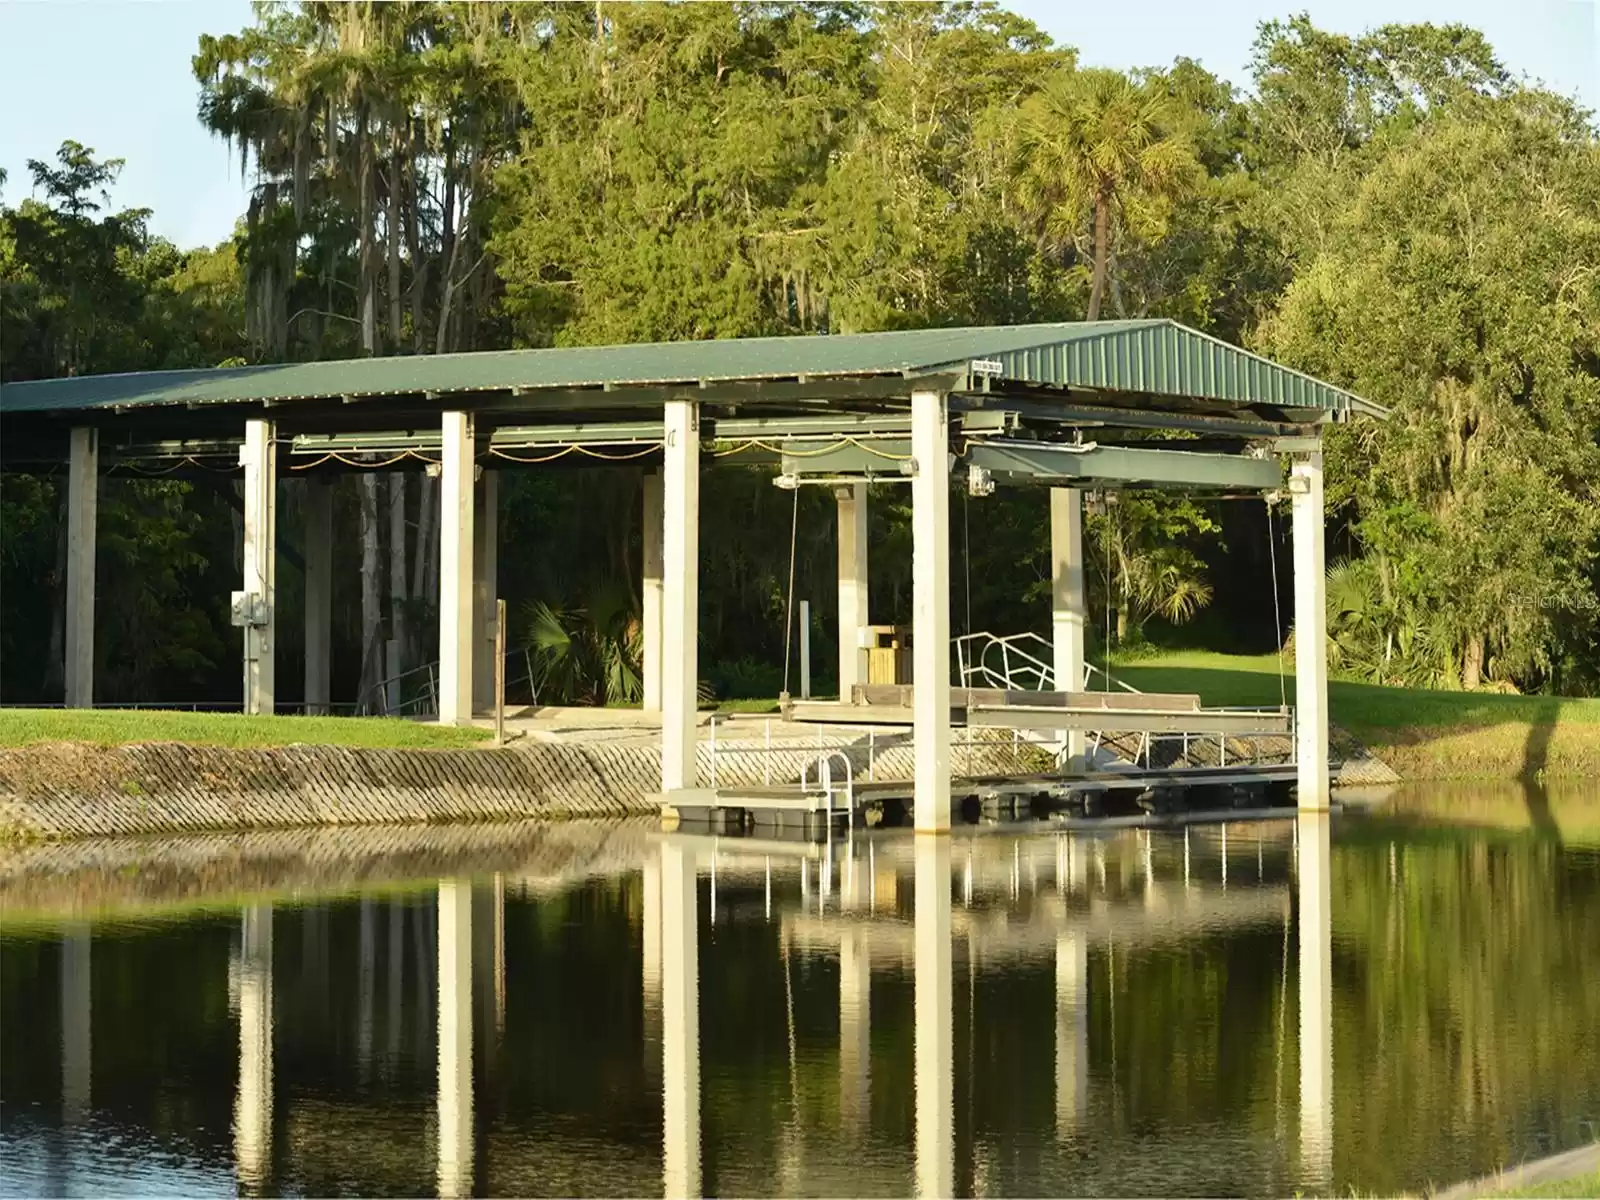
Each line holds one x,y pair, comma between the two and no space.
1382,1002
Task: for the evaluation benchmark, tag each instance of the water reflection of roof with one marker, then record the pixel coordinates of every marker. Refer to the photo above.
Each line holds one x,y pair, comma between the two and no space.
1168,912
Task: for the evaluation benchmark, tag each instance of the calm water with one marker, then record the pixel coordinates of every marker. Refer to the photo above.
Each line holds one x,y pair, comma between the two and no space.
1254,1008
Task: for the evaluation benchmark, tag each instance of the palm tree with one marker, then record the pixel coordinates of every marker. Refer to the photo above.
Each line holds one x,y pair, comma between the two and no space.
1094,144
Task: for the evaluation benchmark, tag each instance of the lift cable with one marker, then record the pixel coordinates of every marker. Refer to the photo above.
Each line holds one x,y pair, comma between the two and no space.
788,605
1277,614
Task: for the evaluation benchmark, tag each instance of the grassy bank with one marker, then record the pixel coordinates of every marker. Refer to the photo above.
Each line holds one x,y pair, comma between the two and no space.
120,727
1421,734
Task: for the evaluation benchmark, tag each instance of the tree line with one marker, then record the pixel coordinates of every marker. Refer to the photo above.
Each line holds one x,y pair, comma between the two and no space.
1394,212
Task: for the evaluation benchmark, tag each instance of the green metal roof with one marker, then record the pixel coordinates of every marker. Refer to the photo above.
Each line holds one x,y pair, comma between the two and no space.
1153,358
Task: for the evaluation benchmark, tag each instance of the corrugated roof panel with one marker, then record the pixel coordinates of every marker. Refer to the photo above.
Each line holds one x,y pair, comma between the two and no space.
1151,357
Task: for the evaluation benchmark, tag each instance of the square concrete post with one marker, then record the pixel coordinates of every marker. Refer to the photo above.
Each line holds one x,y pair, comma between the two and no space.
485,588
680,1021
1310,633
457,454
930,608
454,1096
651,597
933,1003
252,1103
853,591
259,458
83,496
318,515
680,594
1068,605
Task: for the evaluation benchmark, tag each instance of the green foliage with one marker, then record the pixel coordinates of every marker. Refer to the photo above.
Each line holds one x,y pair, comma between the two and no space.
1389,210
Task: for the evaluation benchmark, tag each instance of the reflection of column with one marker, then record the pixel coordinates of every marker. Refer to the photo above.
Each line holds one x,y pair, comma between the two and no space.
76,1024
1316,1003
455,1037
855,1033
651,962
680,1020
1072,1031
394,993
367,984
935,1016
252,1109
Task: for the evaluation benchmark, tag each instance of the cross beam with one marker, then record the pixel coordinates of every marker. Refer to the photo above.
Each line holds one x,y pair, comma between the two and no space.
1070,466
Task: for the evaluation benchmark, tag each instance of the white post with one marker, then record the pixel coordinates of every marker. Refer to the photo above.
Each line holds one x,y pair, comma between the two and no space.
252,1108
650,600
930,608
485,589
805,649
855,1032
1072,1031
1310,636
77,1023
934,1008
83,496
457,452
680,593
318,512
455,1037
1316,1001
854,609
680,1019
259,457
1068,606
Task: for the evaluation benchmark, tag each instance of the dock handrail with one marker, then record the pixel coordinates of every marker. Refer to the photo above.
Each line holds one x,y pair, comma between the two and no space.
1025,663
824,766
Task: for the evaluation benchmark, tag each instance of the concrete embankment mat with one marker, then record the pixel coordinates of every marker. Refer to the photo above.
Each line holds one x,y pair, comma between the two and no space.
60,790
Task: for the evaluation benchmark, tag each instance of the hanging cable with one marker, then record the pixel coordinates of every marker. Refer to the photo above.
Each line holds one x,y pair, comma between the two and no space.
1277,614
1105,499
788,605
966,552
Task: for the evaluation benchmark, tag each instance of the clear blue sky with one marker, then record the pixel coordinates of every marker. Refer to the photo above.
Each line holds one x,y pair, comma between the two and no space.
116,76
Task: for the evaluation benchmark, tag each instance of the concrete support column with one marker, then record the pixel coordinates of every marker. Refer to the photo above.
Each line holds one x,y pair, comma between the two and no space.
651,598
83,503
77,1024
680,594
680,1020
1069,605
1311,634
485,588
855,1034
259,458
1072,1031
854,615
319,594
1316,1002
457,453
930,608
252,1106
455,1038
934,1036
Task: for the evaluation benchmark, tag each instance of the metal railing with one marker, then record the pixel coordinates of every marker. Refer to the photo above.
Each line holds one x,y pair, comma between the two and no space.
1018,662
418,688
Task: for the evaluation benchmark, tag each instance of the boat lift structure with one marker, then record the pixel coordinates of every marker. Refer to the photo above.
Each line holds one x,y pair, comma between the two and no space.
1070,407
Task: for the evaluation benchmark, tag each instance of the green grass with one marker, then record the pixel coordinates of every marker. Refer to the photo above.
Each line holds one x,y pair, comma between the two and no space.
1423,734
1578,1186
119,727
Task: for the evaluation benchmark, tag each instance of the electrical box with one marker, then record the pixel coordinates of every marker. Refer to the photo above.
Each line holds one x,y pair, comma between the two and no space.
248,608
